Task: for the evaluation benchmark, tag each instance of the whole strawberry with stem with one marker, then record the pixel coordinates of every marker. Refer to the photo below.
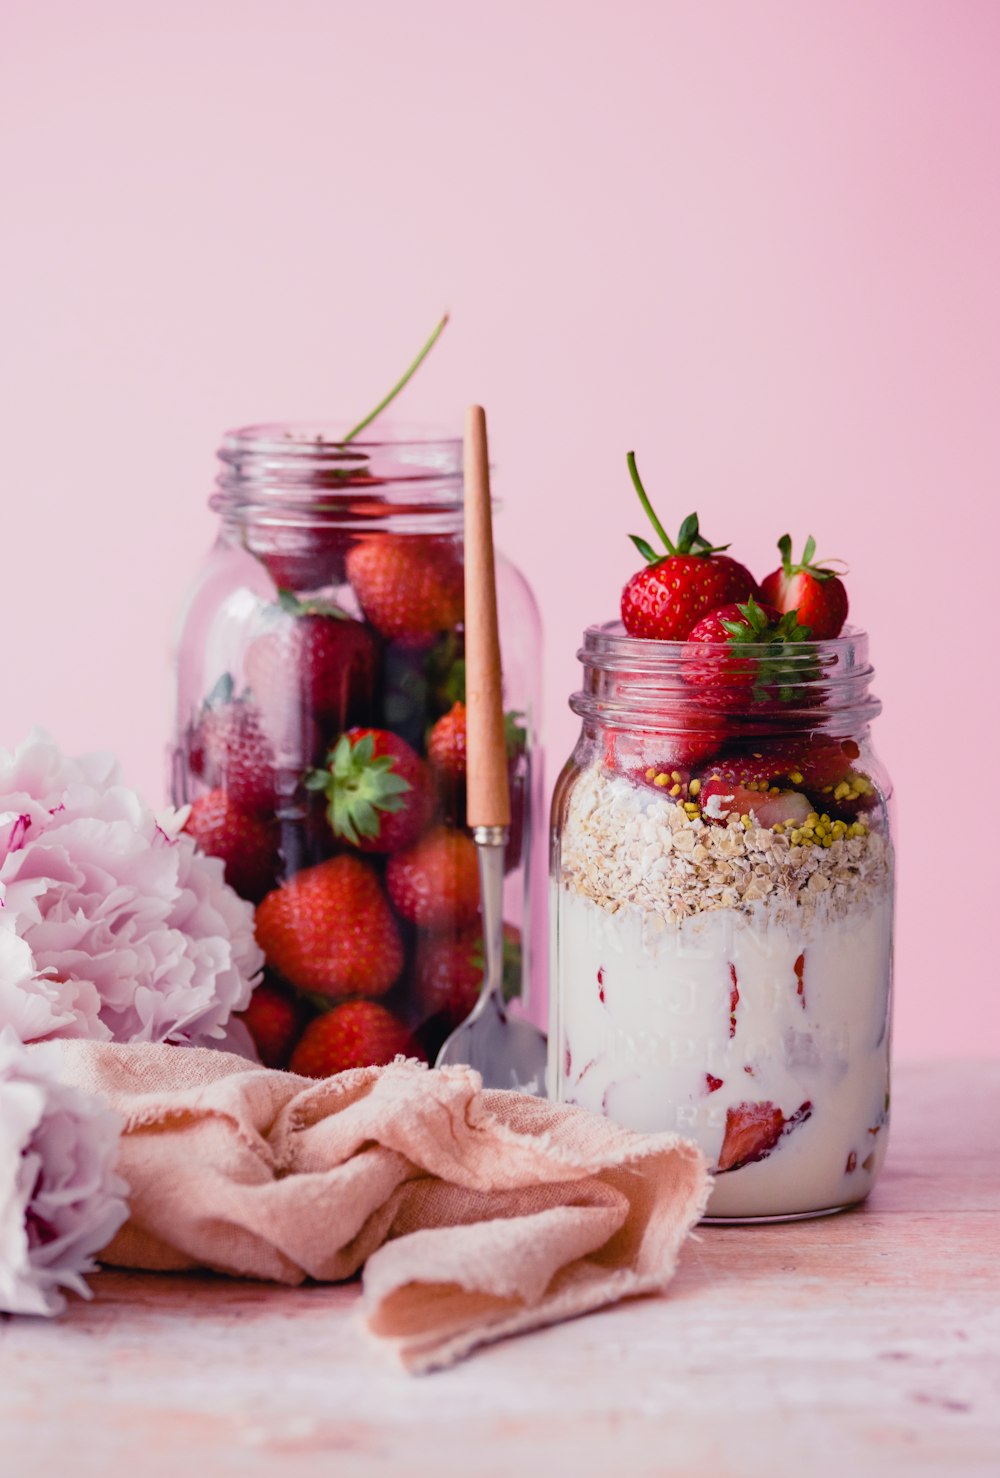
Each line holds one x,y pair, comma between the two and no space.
812,589
242,840
411,587
330,931
356,1034
664,600
743,652
312,663
435,883
378,790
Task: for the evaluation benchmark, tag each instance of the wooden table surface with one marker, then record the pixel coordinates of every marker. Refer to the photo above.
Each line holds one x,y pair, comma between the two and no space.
862,1343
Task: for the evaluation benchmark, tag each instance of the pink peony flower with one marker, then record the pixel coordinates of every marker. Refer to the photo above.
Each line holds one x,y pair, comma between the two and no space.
60,1200
112,924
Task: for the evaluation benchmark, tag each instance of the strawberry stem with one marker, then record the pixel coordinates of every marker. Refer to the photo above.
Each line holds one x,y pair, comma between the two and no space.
399,385
806,565
633,472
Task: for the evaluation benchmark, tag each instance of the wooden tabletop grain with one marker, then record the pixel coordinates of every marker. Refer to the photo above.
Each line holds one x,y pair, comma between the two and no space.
865,1343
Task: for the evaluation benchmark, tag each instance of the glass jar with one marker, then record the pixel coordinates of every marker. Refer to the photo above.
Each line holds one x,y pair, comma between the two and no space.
721,920
320,739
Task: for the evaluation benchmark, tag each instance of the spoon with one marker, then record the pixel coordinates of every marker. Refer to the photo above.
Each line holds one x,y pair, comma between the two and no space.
507,1052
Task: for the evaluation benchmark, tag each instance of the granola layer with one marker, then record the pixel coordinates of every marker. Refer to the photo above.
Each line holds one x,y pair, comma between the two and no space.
623,845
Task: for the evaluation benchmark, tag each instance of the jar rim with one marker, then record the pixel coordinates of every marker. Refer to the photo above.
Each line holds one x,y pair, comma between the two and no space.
642,682
299,472
316,439
606,644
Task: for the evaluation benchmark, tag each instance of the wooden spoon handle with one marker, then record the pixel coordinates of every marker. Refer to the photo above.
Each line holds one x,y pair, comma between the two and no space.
488,793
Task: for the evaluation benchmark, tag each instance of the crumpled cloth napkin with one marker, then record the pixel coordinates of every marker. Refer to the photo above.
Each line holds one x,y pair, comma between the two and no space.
475,1214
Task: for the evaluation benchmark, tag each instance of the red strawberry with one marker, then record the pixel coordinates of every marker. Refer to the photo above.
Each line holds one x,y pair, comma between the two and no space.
667,598
449,971
410,587
436,882
719,799
356,1034
752,1131
813,590
246,845
300,559
680,748
809,761
378,790
230,750
272,1019
744,653
446,744
313,662
330,931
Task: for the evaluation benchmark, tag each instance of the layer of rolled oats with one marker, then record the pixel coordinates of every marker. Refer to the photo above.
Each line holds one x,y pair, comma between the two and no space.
624,845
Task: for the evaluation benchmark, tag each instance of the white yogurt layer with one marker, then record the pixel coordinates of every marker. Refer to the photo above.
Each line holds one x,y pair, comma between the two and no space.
644,1033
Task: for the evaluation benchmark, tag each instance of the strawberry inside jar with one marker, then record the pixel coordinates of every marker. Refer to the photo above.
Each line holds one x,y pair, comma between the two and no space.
320,742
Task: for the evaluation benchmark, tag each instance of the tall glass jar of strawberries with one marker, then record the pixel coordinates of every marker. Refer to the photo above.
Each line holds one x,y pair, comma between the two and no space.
722,867
320,740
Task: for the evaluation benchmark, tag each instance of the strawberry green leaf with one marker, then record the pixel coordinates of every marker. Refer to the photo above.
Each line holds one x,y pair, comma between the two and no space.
807,564
293,606
359,788
690,540
689,533
646,549
785,549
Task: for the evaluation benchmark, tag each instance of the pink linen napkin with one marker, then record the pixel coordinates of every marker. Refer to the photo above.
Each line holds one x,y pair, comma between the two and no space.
475,1214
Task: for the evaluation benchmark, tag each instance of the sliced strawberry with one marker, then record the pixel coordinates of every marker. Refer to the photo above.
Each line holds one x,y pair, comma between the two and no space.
787,808
378,791
635,754
665,599
356,1034
811,589
244,842
719,799
811,761
752,1131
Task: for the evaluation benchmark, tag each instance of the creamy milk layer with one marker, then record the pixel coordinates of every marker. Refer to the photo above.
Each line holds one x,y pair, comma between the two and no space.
668,1026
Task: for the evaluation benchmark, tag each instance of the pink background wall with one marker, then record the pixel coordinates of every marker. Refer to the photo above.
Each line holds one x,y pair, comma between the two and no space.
758,241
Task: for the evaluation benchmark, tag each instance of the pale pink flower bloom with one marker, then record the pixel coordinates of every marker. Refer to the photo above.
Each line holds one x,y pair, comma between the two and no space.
60,1199
133,934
